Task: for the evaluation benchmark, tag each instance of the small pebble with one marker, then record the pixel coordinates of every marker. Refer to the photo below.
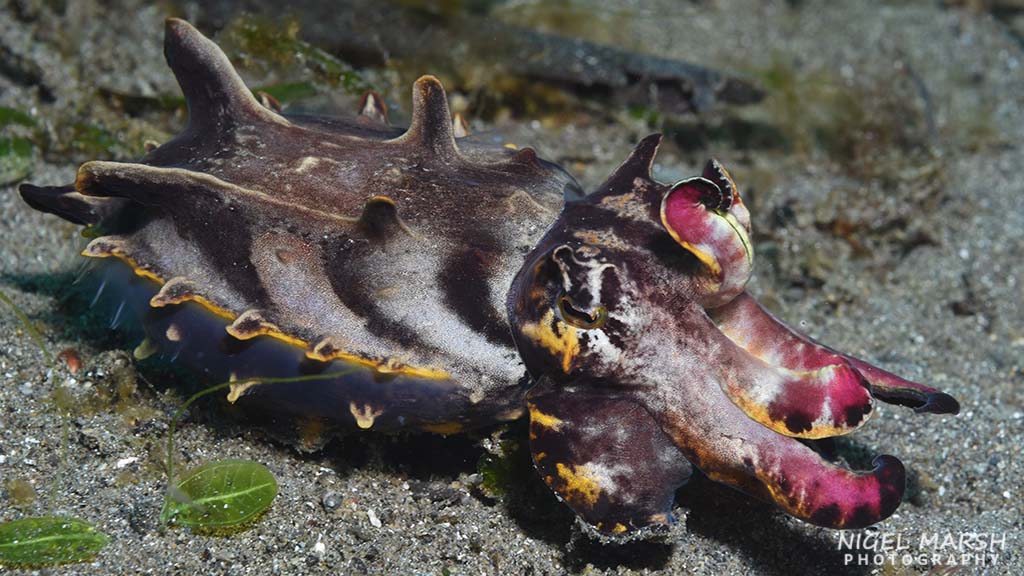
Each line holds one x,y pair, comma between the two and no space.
126,461
332,500
319,548
374,521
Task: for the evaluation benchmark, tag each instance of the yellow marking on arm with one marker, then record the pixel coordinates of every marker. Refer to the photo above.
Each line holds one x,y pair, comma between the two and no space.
579,487
759,412
619,528
707,259
765,479
541,419
564,342
741,233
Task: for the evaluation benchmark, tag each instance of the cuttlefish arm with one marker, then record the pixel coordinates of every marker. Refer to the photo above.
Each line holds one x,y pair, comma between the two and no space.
706,216
689,401
809,402
744,321
604,456
827,397
630,380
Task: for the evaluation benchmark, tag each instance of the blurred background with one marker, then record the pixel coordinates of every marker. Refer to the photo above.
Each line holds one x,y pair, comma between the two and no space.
877,95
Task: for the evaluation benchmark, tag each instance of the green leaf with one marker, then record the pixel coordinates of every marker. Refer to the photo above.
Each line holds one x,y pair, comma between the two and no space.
48,540
15,159
275,44
223,494
93,140
12,116
504,469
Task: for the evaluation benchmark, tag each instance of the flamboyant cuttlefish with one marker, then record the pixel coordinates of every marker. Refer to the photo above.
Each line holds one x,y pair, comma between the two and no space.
430,277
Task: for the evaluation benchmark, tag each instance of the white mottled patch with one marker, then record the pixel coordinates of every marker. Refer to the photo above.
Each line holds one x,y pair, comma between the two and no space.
630,313
604,475
566,279
599,345
307,163
594,270
826,418
595,282
244,139
171,255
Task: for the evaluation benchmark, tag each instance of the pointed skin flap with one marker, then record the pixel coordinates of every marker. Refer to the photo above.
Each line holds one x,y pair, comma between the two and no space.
213,90
374,109
431,128
65,202
637,165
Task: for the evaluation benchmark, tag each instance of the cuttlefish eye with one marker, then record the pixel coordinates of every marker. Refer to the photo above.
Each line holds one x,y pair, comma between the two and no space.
581,318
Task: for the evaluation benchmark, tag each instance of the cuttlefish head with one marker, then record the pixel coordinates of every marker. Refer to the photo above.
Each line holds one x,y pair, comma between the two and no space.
649,358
